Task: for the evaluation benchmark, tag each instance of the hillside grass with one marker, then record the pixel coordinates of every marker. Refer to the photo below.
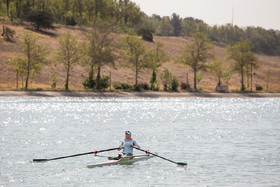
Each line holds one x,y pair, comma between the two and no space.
172,46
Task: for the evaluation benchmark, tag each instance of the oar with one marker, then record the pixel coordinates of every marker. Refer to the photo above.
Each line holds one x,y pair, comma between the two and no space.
92,152
148,152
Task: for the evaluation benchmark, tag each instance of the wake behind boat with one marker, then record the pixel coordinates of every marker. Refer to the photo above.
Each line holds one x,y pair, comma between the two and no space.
121,161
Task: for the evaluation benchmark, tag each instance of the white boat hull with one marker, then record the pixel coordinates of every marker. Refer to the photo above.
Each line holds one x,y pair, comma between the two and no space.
122,161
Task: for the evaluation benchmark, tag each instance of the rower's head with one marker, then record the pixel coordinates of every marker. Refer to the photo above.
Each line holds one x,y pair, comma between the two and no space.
127,134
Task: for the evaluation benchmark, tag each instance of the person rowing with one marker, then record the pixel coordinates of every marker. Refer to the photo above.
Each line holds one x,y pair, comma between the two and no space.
127,146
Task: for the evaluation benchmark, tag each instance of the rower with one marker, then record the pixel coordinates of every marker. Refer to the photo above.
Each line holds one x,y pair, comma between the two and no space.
128,144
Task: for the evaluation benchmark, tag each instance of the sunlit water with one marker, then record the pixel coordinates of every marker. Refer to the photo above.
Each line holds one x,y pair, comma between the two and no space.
226,142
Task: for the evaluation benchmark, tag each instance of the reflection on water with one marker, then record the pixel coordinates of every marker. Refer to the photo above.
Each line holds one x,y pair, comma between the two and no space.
226,142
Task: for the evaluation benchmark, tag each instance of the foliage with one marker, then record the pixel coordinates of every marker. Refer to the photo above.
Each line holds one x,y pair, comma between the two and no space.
185,86
53,80
89,83
267,78
8,33
34,55
176,22
40,19
174,84
259,88
199,77
144,86
265,41
220,70
196,54
154,59
98,50
134,57
122,86
67,54
166,79
146,33
242,56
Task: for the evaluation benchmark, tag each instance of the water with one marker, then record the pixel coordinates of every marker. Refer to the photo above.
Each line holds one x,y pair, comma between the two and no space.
226,142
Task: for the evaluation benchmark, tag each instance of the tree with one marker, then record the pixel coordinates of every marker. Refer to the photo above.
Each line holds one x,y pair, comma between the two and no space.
18,65
41,19
196,54
34,56
154,59
135,51
166,78
67,54
242,56
219,70
146,33
176,22
99,50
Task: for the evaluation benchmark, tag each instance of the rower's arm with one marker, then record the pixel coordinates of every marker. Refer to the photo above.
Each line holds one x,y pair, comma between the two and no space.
135,144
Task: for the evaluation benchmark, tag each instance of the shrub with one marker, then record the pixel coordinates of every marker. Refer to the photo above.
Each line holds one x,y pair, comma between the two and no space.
185,86
71,21
53,81
144,86
146,33
104,82
259,88
174,84
89,84
122,86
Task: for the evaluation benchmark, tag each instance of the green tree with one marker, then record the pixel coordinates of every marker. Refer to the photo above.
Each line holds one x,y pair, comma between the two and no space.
165,27
196,54
176,22
41,19
242,56
99,50
18,64
135,51
166,79
34,56
67,54
219,69
154,59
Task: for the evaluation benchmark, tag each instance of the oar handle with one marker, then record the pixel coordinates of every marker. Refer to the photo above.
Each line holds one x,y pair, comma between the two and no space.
148,152
92,152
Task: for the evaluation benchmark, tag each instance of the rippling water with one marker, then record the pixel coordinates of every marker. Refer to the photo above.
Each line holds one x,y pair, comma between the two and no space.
226,142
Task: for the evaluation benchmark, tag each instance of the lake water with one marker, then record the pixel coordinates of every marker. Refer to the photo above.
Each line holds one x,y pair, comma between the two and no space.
226,142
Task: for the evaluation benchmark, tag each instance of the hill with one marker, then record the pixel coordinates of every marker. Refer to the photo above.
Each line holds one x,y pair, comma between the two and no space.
172,46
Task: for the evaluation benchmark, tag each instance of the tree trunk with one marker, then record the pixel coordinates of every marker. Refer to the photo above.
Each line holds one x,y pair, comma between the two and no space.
98,77
219,82
136,76
242,79
91,76
67,76
17,79
8,5
28,69
251,77
194,79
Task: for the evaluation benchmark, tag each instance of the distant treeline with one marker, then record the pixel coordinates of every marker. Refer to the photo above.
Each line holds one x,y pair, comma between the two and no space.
75,12
265,41
127,13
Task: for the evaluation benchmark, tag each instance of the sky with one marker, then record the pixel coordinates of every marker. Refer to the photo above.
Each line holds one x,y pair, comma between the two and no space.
257,13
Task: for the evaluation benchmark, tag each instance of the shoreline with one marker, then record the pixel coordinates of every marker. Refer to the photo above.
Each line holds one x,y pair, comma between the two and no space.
147,94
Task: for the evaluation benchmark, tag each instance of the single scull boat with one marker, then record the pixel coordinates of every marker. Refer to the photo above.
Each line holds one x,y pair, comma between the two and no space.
122,161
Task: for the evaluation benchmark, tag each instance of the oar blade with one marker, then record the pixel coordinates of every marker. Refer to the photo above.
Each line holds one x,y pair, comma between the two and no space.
40,160
181,164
